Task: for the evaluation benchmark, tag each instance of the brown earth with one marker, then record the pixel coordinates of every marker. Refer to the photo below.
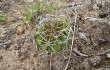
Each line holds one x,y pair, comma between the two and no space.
19,51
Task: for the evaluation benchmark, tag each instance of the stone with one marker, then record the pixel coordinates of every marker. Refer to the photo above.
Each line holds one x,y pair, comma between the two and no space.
108,55
20,29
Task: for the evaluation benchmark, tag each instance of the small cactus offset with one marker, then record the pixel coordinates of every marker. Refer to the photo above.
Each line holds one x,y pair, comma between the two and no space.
52,35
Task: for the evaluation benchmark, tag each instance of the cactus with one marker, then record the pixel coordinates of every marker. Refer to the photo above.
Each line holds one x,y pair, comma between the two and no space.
53,34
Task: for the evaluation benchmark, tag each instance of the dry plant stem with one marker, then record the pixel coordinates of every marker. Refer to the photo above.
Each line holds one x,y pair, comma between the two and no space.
73,32
103,53
50,61
95,19
79,53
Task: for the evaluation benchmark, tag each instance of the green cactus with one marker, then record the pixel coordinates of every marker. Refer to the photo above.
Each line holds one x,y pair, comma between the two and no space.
52,36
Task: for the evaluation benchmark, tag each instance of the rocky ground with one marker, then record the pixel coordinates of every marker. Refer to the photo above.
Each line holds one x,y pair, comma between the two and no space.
19,51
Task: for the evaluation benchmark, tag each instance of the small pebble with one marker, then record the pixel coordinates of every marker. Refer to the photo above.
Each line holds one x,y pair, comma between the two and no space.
108,55
20,29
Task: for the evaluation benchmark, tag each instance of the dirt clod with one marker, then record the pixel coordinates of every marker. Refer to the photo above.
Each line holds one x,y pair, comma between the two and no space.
10,19
95,61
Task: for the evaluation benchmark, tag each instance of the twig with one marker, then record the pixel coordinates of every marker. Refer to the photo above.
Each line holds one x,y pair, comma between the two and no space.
79,53
73,32
95,19
100,54
50,61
